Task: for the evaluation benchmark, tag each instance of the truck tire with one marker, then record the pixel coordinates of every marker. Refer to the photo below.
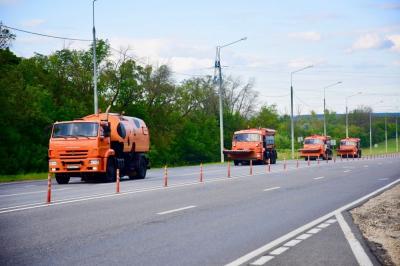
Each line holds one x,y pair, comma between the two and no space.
111,171
62,179
142,168
236,162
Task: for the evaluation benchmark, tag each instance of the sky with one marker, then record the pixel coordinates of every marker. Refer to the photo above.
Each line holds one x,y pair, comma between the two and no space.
356,42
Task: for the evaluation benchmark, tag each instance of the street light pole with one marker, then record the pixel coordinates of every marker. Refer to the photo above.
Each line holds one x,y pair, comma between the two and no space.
291,106
347,113
220,91
96,106
386,144
370,132
397,138
334,84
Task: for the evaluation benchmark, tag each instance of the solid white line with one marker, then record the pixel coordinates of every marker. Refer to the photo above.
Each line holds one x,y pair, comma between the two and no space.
314,231
272,188
331,221
383,178
261,250
176,210
278,251
32,192
320,177
358,251
346,171
292,243
261,261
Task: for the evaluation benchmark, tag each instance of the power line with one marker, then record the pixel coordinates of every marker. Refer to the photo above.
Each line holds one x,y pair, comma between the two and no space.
46,35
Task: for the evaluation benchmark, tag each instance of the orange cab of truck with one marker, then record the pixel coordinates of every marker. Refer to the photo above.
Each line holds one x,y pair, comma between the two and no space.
256,144
350,147
315,147
96,145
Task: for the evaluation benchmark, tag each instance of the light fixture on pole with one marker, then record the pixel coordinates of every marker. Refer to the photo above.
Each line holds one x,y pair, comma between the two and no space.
96,106
291,106
347,113
218,68
331,85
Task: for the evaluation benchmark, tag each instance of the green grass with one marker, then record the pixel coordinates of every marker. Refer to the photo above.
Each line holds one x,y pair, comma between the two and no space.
282,154
22,177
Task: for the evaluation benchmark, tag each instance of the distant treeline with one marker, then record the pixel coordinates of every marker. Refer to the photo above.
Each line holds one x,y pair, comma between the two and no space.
182,116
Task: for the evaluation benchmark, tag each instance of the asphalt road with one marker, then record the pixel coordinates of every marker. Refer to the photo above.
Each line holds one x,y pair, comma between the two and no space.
187,223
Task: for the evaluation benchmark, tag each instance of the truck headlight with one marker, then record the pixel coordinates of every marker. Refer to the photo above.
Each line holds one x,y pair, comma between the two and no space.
94,162
52,163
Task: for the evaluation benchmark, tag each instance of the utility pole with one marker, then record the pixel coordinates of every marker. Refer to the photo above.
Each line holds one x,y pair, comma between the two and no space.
291,106
370,132
220,92
336,83
96,105
386,144
397,138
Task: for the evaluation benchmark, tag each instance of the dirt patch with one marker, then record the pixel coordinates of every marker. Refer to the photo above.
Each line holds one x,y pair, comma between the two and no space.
379,221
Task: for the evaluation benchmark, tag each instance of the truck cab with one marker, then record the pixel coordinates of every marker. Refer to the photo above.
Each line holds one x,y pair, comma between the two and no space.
349,147
257,144
316,147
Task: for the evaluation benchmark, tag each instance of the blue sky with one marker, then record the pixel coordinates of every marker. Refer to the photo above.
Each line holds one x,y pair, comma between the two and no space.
356,42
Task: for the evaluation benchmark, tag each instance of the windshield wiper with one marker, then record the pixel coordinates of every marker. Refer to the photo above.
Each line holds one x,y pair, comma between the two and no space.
82,136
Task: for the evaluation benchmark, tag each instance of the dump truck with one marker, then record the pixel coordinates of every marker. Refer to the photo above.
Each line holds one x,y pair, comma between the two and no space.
316,147
349,147
93,147
256,144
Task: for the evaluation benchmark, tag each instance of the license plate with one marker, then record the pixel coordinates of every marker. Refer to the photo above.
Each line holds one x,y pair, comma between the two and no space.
72,166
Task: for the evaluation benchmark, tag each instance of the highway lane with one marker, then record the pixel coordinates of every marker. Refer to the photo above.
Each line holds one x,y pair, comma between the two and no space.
200,224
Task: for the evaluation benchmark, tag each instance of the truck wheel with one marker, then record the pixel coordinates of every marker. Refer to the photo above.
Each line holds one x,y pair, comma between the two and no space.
142,169
236,162
62,179
111,172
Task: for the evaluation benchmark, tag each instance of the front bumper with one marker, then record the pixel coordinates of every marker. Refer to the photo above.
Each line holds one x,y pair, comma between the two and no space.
85,165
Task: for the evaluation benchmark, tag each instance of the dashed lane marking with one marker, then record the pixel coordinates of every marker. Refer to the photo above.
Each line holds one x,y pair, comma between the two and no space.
31,192
324,225
382,179
271,188
176,210
314,231
262,260
346,171
278,251
320,177
292,243
303,236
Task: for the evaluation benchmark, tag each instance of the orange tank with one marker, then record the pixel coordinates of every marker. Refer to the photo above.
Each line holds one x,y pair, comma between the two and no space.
349,147
315,147
257,144
96,145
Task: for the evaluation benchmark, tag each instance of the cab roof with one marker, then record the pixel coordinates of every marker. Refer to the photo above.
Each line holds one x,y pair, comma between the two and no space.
351,139
318,137
261,131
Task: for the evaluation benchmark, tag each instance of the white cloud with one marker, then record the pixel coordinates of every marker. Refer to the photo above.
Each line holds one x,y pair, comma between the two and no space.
395,39
307,36
32,22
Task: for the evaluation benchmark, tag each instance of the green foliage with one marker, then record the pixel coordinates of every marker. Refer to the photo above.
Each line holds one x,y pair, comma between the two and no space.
183,118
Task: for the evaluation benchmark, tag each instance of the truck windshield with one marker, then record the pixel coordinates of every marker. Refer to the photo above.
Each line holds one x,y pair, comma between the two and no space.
347,143
313,141
247,137
81,129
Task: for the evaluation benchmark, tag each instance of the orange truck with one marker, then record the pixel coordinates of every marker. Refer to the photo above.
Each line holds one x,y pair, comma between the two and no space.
257,144
96,145
317,146
350,147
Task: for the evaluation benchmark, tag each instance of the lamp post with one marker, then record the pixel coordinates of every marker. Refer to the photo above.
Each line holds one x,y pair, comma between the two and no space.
347,113
96,106
291,106
386,144
370,128
218,68
331,85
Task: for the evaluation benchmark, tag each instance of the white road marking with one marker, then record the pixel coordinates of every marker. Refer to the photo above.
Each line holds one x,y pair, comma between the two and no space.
271,188
292,243
358,251
346,171
331,221
314,231
383,178
365,165
324,225
32,192
320,177
176,210
278,251
262,260
261,250
303,236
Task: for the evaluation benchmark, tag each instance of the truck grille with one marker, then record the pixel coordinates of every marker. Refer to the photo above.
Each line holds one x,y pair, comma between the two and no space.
74,154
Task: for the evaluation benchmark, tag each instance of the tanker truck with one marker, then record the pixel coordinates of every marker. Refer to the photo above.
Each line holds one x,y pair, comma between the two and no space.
93,147
256,144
